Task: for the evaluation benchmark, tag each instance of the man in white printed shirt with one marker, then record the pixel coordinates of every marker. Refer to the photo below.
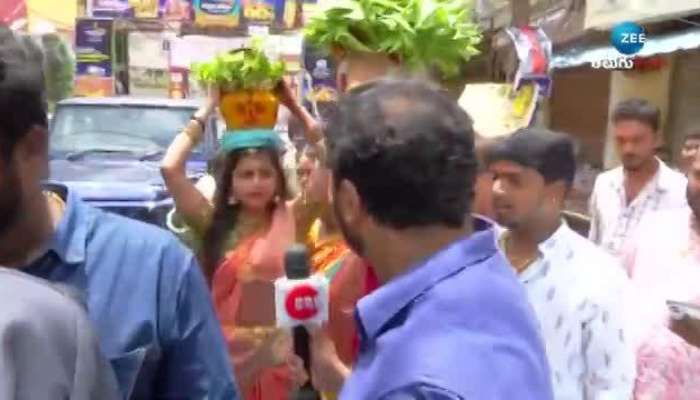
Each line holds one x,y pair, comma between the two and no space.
623,196
577,291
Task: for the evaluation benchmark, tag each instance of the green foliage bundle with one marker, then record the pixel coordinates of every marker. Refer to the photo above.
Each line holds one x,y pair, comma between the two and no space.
240,69
424,34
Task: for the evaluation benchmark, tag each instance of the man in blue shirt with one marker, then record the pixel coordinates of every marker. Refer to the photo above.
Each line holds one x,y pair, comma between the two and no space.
145,294
450,320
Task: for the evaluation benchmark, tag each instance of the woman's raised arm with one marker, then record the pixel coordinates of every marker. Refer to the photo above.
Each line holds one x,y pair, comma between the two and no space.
190,203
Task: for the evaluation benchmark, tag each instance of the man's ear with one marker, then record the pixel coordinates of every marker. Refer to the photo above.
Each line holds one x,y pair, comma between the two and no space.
349,201
558,191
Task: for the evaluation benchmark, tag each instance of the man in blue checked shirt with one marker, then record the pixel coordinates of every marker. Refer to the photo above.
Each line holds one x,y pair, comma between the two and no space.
450,320
144,292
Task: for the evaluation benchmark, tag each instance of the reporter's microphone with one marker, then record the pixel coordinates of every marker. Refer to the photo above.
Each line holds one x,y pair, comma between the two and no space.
301,300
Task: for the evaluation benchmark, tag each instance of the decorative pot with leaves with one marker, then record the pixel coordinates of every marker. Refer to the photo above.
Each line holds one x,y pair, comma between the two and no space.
246,78
374,38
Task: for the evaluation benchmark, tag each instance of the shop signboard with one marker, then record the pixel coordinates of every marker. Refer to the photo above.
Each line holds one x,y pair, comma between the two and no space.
140,9
149,63
260,12
110,8
93,47
222,13
279,13
93,50
152,82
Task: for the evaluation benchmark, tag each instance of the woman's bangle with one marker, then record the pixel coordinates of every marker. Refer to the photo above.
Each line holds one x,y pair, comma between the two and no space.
200,121
193,131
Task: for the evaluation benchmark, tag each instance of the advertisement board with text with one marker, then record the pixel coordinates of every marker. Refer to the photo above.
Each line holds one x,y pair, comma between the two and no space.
93,47
141,9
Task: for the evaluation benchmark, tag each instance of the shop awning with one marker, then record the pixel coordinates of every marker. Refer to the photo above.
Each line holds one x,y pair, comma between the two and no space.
662,44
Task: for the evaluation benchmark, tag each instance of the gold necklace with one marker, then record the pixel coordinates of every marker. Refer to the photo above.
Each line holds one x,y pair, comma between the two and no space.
57,206
518,265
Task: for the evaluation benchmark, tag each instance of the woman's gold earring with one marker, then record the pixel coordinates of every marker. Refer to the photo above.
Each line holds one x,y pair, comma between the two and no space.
232,201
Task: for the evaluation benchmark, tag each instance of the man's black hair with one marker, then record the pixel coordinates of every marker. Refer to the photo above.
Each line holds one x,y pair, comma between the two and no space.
639,110
408,149
551,154
22,103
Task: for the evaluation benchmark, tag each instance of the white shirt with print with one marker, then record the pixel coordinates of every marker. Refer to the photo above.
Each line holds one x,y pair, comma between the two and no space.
613,221
579,295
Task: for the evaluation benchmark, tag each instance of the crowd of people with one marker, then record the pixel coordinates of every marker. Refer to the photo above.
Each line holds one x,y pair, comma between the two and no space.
453,273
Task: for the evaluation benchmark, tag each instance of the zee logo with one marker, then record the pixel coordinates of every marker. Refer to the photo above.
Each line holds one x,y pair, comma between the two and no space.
628,38
300,303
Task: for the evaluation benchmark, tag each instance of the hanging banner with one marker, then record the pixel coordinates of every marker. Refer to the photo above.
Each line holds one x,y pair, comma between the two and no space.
534,50
93,47
223,13
140,9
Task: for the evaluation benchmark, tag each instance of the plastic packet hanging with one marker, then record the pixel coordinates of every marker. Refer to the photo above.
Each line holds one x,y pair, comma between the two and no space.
534,51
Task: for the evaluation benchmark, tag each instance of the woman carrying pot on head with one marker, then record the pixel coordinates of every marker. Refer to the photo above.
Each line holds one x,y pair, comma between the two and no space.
246,230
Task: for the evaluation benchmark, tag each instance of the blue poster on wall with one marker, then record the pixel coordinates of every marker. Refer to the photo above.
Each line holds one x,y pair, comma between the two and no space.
93,47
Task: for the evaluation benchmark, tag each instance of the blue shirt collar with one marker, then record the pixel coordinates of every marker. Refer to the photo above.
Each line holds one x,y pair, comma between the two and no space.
375,310
70,239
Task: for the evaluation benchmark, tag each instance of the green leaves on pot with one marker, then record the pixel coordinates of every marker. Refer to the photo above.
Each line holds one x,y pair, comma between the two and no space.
244,68
424,34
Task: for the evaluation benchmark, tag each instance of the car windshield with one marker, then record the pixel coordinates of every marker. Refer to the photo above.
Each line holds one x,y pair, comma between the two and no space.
135,129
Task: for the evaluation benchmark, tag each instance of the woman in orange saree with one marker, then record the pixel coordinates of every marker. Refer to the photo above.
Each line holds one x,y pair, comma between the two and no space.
246,229
331,257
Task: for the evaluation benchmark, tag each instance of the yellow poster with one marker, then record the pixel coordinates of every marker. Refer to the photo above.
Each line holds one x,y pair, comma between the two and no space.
145,8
